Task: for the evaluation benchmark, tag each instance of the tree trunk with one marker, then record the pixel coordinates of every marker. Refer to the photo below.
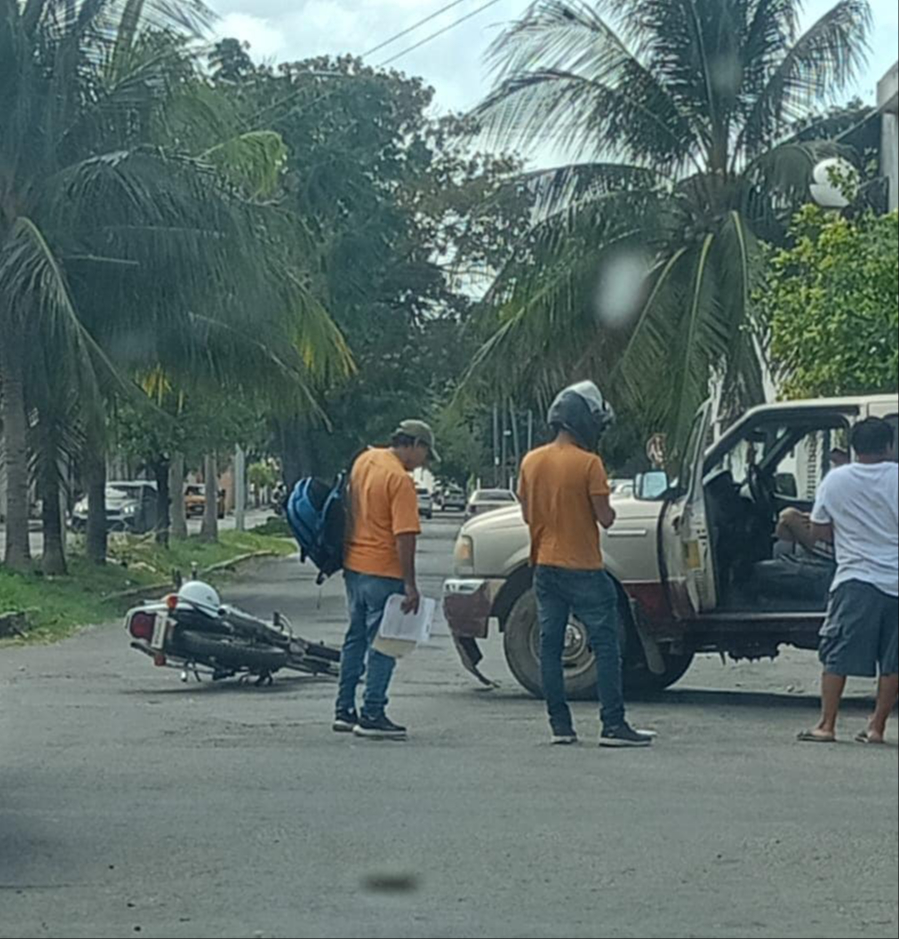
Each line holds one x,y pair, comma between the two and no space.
15,428
210,529
53,562
161,469
97,535
296,451
176,486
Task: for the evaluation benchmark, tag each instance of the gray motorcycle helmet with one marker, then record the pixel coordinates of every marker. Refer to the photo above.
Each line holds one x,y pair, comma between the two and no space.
583,412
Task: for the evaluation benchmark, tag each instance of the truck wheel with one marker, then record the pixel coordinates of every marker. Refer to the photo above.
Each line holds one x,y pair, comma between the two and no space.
521,641
640,682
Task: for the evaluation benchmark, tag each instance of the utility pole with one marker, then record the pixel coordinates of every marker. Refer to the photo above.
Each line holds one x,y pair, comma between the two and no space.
240,489
516,435
496,474
504,474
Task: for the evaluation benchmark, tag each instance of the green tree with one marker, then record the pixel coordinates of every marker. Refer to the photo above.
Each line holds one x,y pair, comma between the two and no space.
127,244
408,224
644,255
830,304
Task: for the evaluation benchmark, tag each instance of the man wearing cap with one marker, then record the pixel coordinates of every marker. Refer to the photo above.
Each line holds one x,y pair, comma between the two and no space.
379,563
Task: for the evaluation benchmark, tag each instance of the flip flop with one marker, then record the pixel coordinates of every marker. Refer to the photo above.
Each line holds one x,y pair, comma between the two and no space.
809,736
865,737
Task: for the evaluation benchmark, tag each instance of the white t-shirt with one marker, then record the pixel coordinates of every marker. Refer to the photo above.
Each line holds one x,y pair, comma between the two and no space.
861,501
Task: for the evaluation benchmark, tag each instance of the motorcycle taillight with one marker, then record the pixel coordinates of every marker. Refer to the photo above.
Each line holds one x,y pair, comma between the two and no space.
142,626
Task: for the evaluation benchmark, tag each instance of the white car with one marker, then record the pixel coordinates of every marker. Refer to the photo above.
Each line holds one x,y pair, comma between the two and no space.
425,502
483,501
130,507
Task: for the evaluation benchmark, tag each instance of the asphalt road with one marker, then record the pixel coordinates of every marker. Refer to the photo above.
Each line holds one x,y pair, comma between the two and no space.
131,804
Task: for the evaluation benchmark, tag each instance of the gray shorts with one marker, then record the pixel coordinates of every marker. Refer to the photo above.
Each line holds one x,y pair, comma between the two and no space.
860,637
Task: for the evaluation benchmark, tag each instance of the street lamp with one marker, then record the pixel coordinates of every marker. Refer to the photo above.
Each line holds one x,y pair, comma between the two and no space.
835,180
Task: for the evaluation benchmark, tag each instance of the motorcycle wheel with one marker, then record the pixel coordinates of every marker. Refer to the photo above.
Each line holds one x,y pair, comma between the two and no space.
231,653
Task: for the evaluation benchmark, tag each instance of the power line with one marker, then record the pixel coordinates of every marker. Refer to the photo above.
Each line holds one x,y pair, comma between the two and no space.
413,28
392,59
439,33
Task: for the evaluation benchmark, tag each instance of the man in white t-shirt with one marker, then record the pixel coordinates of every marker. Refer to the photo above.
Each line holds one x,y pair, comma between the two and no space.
858,510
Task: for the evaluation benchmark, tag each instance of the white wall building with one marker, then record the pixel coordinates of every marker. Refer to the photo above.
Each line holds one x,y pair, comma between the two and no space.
888,103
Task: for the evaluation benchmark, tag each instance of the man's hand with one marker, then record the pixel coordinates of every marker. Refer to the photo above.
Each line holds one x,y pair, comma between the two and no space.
602,509
412,603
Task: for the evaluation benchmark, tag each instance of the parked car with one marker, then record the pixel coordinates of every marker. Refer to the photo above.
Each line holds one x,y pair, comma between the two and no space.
195,500
131,506
454,500
483,501
693,557
425,502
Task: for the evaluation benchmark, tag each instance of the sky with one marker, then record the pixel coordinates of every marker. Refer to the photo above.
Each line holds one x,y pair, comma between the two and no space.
287,30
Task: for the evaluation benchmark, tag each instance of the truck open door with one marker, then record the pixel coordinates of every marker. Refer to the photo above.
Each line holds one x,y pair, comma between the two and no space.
686,558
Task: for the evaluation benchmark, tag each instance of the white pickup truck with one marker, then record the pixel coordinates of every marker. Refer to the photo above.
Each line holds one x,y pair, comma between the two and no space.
694,558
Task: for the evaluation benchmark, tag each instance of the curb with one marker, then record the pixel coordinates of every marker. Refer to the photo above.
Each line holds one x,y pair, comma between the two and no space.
137,593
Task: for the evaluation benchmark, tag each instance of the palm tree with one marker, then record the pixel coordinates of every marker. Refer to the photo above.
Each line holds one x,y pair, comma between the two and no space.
119,248
642,259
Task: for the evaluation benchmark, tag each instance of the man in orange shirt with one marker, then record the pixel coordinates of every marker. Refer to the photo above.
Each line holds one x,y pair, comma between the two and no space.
565,493
379,563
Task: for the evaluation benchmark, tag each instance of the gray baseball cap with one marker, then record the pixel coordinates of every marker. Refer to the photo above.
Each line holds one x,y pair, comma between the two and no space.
420,432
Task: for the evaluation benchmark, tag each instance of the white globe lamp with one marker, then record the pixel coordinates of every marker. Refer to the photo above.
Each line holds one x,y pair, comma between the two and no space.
834,180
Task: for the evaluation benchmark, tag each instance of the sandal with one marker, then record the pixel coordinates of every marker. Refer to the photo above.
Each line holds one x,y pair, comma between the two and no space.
865,737
810,736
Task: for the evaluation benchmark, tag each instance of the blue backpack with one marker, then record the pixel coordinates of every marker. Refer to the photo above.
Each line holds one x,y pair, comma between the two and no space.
317,515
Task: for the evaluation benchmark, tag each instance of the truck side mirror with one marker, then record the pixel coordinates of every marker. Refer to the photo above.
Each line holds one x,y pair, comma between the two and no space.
651,487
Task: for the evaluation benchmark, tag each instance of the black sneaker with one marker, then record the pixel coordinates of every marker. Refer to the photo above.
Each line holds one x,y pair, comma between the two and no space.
379,728
563,737
625,736
345,722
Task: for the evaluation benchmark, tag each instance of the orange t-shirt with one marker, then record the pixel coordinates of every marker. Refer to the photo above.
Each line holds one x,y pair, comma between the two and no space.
557,485
383,504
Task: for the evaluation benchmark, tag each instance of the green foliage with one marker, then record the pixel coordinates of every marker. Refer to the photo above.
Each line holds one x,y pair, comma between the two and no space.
262,475
59,605
830,303
405,226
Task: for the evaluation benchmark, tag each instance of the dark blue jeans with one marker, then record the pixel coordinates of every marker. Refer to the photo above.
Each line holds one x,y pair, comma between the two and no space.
366,598
592,597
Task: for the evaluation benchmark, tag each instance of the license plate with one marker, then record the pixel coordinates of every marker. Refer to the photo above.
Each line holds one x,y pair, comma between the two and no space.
160,632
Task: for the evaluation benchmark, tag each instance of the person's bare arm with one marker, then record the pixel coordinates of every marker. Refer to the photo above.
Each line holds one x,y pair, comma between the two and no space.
822,533
406,549
796,527
602,509
524,509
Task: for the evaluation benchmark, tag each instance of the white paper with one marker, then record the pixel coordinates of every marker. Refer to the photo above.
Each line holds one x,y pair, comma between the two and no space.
411,627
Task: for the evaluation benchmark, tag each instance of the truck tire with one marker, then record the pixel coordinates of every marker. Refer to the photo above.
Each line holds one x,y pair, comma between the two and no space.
521,641
228,653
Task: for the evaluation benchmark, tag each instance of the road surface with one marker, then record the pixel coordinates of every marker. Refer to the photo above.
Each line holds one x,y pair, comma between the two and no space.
135,805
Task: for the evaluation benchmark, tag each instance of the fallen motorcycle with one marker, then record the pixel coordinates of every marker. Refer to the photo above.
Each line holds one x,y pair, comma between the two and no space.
193,631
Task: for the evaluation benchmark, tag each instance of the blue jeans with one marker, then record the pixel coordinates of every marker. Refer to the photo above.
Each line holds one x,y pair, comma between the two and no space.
366,598
593,598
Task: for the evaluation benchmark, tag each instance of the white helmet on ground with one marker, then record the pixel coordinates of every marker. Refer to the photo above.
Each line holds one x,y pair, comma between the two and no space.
201,596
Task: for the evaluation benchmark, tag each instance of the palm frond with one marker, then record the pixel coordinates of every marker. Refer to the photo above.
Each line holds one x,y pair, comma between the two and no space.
254,161
37,292
570,188
740,256
564,73
817,66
